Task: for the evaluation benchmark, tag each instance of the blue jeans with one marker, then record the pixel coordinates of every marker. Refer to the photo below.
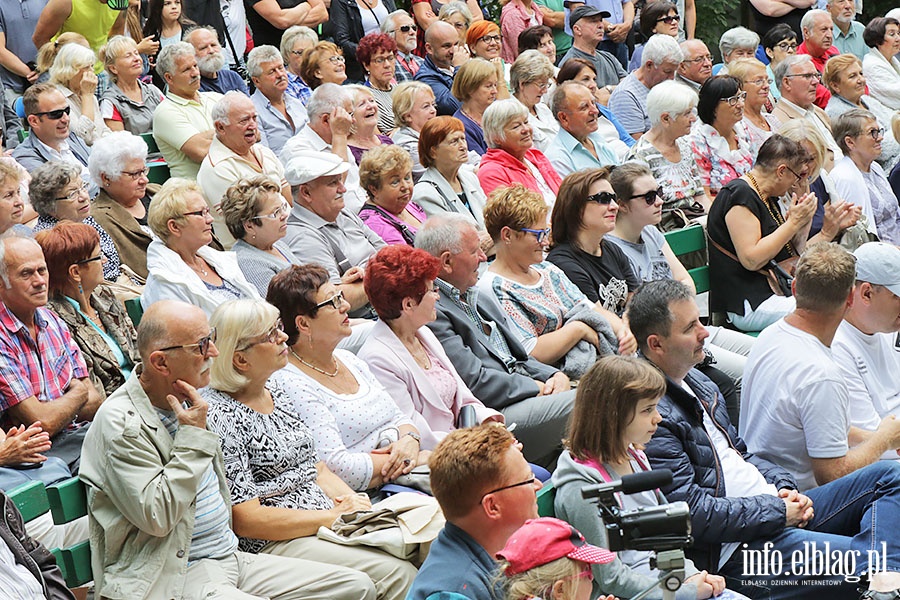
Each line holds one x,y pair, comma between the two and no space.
854,515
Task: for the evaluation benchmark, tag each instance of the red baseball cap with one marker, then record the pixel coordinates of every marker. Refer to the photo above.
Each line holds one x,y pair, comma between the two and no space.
543,540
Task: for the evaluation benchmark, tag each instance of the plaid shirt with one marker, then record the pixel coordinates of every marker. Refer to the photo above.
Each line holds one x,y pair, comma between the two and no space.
297,88
403,67
42,369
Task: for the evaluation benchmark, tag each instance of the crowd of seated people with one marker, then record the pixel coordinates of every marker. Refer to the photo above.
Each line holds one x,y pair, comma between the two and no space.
273,273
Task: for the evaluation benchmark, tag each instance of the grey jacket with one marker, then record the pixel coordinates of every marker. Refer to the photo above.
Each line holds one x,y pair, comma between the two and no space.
434,194
476,361
616,577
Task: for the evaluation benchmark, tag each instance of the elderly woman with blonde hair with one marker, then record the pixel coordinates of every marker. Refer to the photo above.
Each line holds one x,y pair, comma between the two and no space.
180,263
414,105
128,102
256,216
281,491
530,79
295,42
385,173
73,73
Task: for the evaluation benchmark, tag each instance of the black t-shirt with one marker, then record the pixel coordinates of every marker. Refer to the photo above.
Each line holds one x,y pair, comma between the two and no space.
263,31
729,282
607,278
762,23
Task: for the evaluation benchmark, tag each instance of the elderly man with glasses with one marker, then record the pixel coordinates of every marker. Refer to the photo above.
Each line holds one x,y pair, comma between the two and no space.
696,67
402,28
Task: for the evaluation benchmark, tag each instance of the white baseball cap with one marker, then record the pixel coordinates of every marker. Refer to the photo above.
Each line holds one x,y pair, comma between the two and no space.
879,263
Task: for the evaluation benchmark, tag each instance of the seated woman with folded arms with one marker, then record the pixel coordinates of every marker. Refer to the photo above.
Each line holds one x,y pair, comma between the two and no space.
402,352
360,432
282,492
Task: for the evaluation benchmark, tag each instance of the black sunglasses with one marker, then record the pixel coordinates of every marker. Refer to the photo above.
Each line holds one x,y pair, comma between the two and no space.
407,28
54,115
602,198
649,197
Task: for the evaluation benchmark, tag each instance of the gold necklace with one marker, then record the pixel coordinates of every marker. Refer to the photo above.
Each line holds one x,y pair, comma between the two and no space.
337,367
775,214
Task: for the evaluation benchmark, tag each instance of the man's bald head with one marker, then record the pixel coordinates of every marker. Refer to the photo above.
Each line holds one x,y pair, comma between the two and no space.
162,323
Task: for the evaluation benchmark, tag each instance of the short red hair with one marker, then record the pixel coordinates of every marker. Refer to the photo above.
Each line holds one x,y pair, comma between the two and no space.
398,272
372,44
478,30
433,133
64,245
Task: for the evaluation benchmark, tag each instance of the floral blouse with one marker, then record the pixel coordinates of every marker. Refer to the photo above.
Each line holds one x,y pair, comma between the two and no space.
718,163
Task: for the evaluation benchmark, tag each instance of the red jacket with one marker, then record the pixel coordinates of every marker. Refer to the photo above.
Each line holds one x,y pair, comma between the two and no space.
500,168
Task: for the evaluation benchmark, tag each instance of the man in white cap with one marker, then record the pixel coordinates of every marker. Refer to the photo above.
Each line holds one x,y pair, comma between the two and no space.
866,345
322,230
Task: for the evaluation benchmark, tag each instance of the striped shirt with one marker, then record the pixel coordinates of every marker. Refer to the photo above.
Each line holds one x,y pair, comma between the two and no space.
16,581
212,537
42,368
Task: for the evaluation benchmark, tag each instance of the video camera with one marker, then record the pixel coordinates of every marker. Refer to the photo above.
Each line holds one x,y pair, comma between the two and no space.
659,528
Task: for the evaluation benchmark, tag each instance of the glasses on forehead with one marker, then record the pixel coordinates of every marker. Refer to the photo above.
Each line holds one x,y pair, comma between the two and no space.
335,301
202,344
75,194
270,336
602,198
649,197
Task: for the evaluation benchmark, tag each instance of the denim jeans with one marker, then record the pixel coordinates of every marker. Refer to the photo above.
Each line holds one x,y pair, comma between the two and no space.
853,515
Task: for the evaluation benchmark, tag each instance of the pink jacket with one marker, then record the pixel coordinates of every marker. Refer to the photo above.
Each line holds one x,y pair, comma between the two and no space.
500,168
513,21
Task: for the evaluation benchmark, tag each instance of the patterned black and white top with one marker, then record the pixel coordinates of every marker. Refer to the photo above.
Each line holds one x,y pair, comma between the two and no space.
267,456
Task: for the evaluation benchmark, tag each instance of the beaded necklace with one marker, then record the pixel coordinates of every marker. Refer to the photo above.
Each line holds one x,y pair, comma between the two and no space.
773,210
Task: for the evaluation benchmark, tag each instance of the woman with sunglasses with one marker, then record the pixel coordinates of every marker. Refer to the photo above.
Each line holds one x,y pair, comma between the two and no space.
281,491
98,321
720,144
404,355
58,193
656,17
360,433
537,295
256,216
180,261
118,165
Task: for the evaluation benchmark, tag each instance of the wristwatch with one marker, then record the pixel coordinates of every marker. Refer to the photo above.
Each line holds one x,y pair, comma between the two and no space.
414,436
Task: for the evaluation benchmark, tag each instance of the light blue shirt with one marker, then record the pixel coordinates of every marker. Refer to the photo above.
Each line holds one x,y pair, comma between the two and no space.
275,129
569,155
852,43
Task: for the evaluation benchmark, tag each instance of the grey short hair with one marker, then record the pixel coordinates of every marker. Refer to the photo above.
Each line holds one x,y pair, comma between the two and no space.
661,48
783,68
70,59
222,108
290,37
10,234
738,38
325,99
850,124
453,8
47,183
388,24
260,55
165,62
669,97
530,66
810,17
442,233
497,116
110,153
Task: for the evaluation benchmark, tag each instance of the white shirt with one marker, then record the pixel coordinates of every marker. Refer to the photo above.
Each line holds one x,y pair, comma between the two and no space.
795,404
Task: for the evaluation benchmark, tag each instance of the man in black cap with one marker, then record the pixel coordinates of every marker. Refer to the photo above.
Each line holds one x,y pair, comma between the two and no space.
588,30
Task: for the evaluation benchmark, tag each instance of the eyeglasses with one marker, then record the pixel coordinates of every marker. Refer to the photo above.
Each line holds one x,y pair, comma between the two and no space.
135,175
787,46
380,60
277,213
736,99
540,234
876,133
197,213
649,197
669,19
530,481
490,39
585,573
799,177
808,76
99,257
541,86
760,82
202,344
72,195
335,301
337,59
270,337
602,198
405,29
700,59
54,115
298,53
